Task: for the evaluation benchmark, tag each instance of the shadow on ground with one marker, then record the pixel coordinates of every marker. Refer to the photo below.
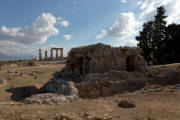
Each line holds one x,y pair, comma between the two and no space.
20,93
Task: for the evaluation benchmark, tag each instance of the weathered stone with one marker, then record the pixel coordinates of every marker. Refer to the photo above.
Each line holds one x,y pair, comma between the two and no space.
60,86
126,103
58,91
2,82
169,78
49,98
101,58
113,75
100,70
108,88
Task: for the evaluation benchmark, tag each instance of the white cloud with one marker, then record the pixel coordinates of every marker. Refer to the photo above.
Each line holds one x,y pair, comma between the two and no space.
60,18
14,48
172,7
124,1
67,37
139,2
38,32
123,29
102,34
61,21
26,40
64,23
127,42
124,26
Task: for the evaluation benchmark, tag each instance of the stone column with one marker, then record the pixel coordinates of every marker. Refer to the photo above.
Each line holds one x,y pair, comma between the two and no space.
46,55
51,54
40,57
61,52
56,54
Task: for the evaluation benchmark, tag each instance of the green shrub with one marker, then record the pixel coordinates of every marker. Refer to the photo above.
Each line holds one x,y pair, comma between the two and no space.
31,63
152,73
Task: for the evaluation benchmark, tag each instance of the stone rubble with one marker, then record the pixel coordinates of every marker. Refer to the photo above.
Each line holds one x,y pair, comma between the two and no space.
2,82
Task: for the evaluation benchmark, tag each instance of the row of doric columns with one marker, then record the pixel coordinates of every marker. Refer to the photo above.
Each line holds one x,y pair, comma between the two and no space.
51,54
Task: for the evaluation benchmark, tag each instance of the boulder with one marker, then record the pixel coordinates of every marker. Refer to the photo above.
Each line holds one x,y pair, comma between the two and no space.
59,93
126,103
171,77
60,86
108,88
49,98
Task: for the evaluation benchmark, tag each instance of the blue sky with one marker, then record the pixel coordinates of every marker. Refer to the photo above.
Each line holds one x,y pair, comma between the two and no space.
27,25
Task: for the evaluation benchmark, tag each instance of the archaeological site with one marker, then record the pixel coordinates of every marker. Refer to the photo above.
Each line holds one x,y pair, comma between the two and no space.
100,70
89,59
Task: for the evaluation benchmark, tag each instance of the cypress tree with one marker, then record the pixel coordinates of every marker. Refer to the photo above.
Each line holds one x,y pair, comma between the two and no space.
159,35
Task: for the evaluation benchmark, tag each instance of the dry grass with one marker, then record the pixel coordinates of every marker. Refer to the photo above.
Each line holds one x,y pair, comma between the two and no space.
149,106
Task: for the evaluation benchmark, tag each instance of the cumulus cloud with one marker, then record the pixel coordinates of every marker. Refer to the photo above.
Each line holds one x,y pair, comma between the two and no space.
38,32
127,42
61,21
124,26
22,40
64,23
102,34
172,7
124,1
67,37
14,48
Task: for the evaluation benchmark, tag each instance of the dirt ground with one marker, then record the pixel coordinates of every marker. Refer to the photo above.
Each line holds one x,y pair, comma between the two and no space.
149,106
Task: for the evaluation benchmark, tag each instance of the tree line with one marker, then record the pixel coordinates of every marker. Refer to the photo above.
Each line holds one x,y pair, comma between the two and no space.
160,42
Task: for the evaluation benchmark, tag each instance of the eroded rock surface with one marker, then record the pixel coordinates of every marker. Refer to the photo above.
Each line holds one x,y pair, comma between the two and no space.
100,58
57,92
100,70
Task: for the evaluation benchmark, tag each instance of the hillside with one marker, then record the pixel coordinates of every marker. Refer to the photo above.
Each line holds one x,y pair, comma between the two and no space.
5,57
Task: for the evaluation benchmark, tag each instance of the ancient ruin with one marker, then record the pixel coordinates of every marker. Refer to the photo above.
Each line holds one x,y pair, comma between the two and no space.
98,70
100,58
51,54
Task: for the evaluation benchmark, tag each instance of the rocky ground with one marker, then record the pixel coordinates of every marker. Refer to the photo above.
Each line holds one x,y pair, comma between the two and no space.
153,102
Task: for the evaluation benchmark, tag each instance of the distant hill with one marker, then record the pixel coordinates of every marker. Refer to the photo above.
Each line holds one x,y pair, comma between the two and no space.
18,57
5,57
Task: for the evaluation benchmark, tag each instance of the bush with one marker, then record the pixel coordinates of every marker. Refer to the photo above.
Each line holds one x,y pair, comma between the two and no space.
153,73
31,63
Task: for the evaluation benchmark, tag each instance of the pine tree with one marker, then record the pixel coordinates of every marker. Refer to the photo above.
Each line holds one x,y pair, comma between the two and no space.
172,44
159,35
145,40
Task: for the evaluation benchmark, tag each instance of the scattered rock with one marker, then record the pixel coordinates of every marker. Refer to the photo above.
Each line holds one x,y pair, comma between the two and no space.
35,77
63,117
2,82
126,103
31,74
169,78
49,98
66,92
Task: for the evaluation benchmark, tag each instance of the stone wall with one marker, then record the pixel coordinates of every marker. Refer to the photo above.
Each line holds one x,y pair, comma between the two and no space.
100,58
100,70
